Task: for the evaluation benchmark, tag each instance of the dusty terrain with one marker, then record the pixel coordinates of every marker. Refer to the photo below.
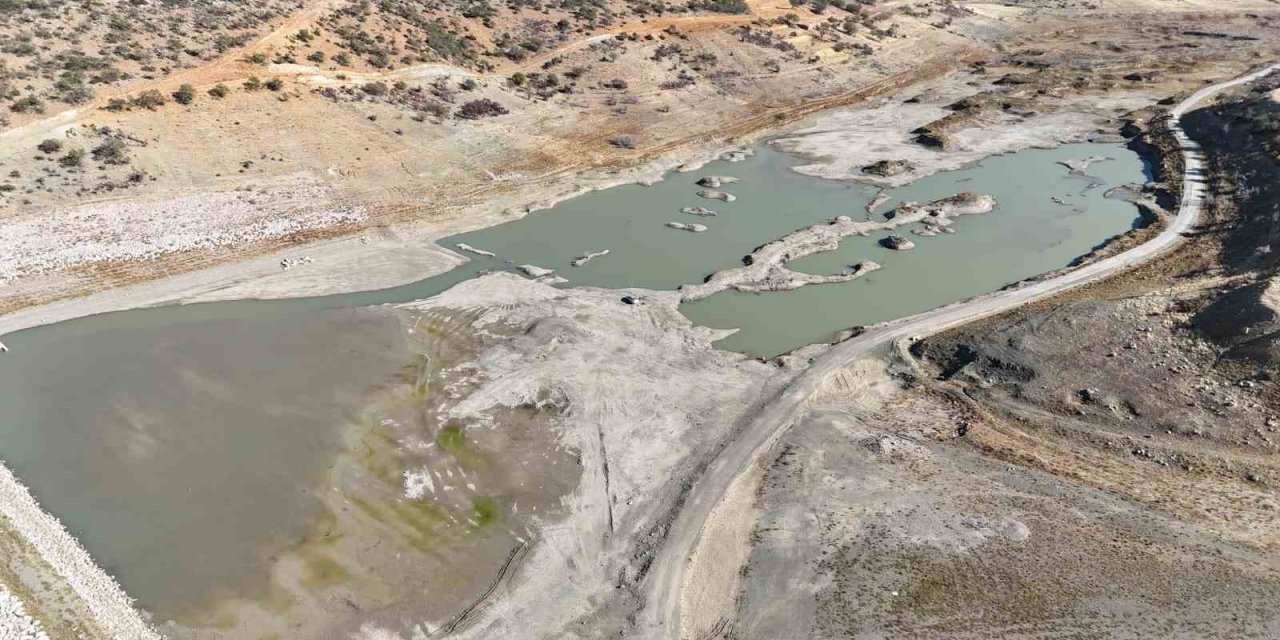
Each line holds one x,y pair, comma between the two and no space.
1016,477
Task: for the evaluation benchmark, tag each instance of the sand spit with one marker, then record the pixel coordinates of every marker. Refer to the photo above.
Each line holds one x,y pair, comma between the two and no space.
462,246
698,211
588,257
48,241
715,182
15,624
693,228
875,203
1080,167
111,608
764,269
712,194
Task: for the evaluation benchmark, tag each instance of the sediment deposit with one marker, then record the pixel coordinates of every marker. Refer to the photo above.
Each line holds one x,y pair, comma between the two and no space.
764,269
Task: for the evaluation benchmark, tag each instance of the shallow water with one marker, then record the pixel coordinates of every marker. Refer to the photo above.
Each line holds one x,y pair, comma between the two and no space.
181,443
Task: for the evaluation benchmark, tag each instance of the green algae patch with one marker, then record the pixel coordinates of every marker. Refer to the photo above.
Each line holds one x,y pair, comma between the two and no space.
485,511
322,571
453,441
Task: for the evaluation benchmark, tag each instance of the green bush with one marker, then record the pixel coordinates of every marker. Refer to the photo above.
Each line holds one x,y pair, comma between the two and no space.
219,91
252,84
186,94
274,84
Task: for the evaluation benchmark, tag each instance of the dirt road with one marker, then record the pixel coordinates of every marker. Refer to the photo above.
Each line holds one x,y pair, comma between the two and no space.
661,616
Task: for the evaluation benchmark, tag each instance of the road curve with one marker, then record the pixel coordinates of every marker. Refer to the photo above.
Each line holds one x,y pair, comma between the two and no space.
661,616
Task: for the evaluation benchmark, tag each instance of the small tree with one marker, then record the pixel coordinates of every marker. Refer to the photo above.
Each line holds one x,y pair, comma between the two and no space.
481,108
219,91
49,147
186,94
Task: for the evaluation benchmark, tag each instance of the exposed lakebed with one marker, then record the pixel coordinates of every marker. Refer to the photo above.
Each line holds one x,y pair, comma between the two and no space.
185,445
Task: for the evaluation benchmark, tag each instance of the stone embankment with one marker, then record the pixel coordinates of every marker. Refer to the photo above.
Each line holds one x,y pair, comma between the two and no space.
111,608
764,269
15,624
43,242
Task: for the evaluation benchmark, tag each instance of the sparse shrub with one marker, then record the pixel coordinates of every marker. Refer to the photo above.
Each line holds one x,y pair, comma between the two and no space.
468,84
186,94
73,159
112,151
116,104
219,91
623,142
257,58
616,83
149,100
28,104
316,57
274,84
374,88
342,59
49,147
252,84
482,108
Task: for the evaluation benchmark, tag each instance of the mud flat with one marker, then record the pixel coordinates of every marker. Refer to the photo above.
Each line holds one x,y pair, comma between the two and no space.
841,144
639,421
764,269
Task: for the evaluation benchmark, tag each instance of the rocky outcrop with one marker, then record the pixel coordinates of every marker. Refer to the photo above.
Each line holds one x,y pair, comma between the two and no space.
888,168
534,271
712,194
764,269
698,211
695,228
897,243
715,182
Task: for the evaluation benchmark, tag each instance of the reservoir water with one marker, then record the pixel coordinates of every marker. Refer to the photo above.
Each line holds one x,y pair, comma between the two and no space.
183,444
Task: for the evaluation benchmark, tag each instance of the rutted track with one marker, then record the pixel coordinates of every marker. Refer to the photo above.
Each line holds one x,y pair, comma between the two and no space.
661,616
